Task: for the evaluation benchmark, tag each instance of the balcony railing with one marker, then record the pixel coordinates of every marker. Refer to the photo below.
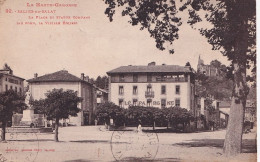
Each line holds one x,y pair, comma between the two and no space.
180,79
149,94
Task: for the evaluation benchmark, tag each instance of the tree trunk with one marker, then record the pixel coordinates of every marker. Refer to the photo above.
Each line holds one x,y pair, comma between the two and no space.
233,140
154,125
56,130
3,131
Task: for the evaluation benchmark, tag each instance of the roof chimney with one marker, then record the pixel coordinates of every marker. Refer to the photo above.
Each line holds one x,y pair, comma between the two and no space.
188,64
82,76
87,78
152,64
35,75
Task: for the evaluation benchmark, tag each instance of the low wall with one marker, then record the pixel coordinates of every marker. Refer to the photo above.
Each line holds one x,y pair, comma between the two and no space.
38,118
28,130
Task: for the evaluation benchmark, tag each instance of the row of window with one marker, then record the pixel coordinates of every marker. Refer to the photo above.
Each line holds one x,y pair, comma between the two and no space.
11,87
158,78
149,102
14,81
149,89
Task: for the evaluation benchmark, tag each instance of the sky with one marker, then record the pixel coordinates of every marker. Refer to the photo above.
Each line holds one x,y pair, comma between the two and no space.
93,46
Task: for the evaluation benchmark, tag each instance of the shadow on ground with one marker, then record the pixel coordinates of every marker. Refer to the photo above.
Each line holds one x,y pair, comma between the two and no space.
134,159
91,141
98,141
78,160
248,145
32,140
175,131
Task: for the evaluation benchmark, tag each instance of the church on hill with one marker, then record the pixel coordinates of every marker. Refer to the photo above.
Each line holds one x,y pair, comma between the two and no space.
208,70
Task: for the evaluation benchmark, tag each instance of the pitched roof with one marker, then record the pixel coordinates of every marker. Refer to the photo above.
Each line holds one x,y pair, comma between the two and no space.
62,76
150,69
2,74
102,90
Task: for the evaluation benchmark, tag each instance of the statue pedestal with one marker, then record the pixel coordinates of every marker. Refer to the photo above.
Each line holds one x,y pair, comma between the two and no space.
28,117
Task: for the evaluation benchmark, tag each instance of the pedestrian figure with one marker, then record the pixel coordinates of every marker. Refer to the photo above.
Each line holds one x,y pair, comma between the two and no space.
96,122
139,128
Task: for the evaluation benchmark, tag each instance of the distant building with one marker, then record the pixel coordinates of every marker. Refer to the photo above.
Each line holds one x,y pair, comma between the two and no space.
39,85
152,86
202,110
208,70
102,96
10,81
250,110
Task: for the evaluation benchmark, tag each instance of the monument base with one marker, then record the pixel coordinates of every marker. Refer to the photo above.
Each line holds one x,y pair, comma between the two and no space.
28,118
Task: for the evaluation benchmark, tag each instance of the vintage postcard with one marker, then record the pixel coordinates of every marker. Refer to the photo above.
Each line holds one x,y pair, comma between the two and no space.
128,80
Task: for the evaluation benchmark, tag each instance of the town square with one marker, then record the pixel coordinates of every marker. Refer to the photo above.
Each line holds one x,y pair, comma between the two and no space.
93,143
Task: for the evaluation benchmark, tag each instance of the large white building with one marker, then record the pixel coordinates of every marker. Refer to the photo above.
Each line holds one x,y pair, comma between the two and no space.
152,86
40,85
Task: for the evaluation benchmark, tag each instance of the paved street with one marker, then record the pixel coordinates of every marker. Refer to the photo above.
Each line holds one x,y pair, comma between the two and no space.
94,143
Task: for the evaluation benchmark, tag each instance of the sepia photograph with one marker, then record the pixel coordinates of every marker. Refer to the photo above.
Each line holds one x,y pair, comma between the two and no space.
128,80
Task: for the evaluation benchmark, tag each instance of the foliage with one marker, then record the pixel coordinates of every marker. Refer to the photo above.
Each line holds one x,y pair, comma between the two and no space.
208,105
177,115
218,87
10,102
108,110
146,116
252,94
212,112
102,82
58,104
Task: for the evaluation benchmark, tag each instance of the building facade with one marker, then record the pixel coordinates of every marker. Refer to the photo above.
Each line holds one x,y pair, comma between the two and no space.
10,81
152,86
39,85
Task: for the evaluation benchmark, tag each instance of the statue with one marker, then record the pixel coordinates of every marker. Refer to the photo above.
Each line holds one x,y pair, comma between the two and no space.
27,99
28,114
